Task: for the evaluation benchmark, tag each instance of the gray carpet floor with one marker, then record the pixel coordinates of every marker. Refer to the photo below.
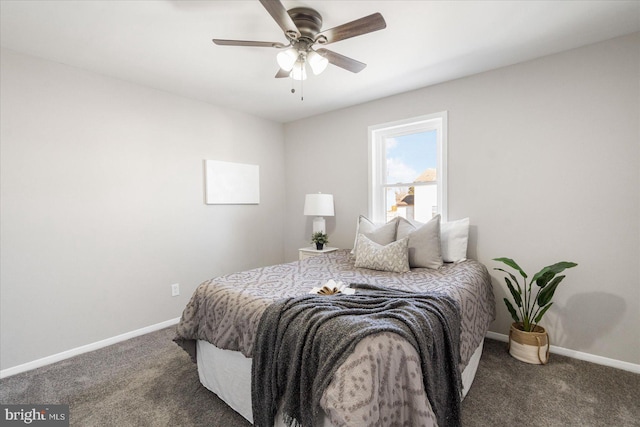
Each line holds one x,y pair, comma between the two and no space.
150,381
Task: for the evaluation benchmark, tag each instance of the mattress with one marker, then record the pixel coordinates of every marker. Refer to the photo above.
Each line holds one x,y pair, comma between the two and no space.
228,374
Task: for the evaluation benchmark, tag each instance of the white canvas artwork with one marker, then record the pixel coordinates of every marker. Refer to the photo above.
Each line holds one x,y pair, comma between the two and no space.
229,183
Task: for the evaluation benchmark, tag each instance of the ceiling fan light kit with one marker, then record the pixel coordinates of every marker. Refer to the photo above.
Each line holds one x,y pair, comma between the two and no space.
295,62
302,28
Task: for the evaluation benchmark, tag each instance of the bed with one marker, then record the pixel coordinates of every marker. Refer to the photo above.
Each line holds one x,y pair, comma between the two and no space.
379,382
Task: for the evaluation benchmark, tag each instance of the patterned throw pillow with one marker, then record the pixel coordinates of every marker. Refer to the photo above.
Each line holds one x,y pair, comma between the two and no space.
393,257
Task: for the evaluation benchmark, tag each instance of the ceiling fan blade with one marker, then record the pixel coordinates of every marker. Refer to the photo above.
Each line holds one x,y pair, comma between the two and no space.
282,18
365,25
282,73
342,61
222,42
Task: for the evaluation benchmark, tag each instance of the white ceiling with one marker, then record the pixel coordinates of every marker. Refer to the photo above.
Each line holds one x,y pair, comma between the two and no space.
166,44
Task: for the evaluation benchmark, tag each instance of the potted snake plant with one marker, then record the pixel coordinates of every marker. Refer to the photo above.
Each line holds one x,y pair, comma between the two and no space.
528,341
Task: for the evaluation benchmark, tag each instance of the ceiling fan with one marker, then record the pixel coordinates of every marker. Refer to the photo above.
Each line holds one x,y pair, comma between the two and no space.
302,28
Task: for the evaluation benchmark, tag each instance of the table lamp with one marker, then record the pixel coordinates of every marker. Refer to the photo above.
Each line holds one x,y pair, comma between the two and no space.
318,205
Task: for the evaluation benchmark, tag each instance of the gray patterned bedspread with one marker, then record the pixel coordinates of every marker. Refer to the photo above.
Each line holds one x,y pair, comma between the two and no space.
380,382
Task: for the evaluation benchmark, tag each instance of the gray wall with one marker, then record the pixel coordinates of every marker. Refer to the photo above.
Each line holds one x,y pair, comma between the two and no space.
102,205
544,157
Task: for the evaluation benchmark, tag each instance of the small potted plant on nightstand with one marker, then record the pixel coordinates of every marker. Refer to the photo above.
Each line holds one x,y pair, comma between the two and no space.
320,239
529,341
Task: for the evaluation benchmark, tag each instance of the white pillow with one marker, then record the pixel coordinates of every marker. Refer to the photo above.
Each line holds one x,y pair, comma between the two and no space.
382,234
393,257
424,242
454,236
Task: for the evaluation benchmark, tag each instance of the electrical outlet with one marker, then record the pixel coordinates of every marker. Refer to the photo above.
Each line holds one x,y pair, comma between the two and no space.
175,289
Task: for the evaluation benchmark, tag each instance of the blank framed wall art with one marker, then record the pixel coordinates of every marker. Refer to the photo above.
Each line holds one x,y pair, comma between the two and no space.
229,183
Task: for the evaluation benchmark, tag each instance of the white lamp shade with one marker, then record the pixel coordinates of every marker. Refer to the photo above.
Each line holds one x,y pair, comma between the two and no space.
318,204
299,71
287,58
317,62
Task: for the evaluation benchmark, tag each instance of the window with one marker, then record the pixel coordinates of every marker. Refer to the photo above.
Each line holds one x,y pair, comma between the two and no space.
407,175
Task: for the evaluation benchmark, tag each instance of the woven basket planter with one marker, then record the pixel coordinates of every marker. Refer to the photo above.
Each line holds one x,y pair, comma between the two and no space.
529,347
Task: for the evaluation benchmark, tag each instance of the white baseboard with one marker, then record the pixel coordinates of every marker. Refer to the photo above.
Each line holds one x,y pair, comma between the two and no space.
631,367
85,348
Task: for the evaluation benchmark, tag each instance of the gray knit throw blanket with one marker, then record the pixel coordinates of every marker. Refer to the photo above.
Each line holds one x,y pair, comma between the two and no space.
301,341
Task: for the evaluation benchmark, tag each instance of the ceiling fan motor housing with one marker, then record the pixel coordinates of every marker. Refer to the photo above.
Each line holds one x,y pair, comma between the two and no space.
308,21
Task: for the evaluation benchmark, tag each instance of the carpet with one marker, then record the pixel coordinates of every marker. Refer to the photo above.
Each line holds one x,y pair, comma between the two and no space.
150,381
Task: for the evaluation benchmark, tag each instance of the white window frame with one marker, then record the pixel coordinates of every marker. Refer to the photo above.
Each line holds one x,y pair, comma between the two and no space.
377,159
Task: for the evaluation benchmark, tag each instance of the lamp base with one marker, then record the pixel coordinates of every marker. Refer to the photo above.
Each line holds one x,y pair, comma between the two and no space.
319,225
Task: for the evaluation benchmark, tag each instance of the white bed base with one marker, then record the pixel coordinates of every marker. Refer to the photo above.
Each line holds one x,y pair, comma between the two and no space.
228,374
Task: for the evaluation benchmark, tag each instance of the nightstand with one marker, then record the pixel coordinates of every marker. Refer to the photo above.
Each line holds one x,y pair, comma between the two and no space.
311,251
